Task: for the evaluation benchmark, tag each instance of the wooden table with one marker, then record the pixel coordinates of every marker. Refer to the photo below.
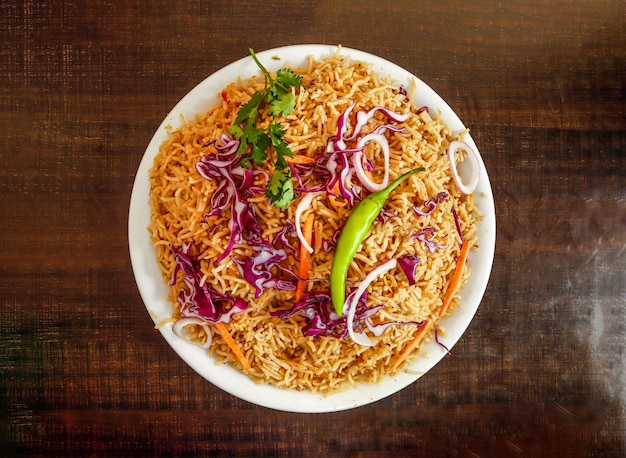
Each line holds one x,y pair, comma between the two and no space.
541,370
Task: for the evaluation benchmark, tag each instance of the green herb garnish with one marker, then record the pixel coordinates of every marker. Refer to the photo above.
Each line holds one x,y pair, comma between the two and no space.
256,143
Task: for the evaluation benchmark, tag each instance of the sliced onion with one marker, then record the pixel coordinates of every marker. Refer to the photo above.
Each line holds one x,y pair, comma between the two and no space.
378,329
178,328
363,117
470,187
357,161
342,127
385,127
305,202
360,337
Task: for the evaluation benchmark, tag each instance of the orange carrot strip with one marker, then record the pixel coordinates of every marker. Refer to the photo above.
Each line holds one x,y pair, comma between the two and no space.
419,335
333,199
299,159
305,256
223,330
456,278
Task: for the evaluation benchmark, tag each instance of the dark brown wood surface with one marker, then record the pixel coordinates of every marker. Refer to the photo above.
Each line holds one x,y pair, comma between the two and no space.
541,370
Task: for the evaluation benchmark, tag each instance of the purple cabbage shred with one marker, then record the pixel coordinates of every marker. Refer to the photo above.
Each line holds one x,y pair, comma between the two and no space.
431,204
201,300
439,342
258,269
409,263
426,236
234,184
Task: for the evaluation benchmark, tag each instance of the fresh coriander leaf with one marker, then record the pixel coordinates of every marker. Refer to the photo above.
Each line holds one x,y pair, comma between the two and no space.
288,78
282,151
281,148
259,148
277,133
275,185
287,197
280,88
236,131
253,144
280,189
249,111
284,104
251,134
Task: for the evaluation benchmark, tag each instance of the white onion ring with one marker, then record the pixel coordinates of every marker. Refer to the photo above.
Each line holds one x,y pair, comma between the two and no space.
360,337
305,202
470,187
357,161
178,328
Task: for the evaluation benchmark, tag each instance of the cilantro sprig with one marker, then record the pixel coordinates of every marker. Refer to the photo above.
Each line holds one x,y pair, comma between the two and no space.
256,144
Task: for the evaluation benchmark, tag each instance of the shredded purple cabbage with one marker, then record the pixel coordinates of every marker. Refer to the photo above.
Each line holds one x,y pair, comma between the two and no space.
431,204
234,184
284,237
409,263
198,300
426,236
329,245
258,269
340,173
384,215
439,342
338,164
363,117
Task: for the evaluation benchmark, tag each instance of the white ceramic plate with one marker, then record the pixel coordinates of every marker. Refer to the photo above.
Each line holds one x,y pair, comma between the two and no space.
154,291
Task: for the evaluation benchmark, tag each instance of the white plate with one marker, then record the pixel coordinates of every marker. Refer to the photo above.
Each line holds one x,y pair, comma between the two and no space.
154,291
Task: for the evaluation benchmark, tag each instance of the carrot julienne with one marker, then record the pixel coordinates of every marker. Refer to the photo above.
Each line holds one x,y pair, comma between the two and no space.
305,256
299,159
337,202
419,335
223,330
456,278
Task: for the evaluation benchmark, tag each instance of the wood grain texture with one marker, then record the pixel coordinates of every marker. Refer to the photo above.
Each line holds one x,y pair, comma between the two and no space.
541,370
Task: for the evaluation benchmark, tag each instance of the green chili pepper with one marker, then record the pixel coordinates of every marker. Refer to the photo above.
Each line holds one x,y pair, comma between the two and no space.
353,233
